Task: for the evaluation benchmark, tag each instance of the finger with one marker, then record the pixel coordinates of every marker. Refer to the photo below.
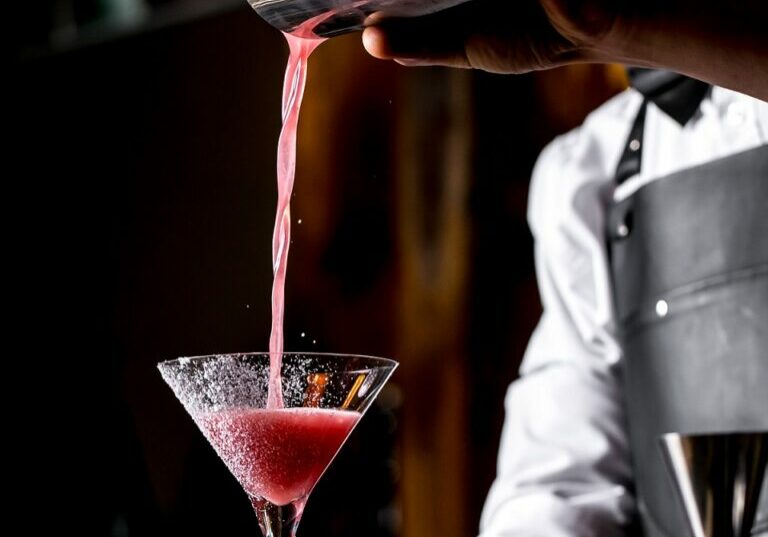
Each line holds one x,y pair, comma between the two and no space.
430,40
498,36
378,44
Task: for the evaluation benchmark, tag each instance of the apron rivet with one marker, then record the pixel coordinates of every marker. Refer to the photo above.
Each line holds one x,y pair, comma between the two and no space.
634,145
662,308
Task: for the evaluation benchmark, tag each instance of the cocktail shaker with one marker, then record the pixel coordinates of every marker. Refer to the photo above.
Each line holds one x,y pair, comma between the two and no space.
327,18
719,480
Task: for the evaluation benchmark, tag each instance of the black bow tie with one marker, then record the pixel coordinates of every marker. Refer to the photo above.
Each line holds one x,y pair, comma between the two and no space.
677,95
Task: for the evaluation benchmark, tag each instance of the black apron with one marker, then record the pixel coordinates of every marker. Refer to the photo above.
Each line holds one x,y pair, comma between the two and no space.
689,262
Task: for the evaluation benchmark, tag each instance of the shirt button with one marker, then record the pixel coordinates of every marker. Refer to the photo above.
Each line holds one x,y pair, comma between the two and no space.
735,114
662,308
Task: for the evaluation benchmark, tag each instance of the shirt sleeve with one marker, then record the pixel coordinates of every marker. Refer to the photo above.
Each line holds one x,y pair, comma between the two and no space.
564,467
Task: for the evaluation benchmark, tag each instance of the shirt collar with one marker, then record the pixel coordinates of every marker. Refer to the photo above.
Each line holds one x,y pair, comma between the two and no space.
677,95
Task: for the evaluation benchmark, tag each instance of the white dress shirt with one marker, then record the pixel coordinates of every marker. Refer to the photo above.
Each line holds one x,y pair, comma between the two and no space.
564,468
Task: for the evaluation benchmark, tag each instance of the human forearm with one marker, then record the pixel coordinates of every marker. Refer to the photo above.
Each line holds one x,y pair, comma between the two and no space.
563,462
723,42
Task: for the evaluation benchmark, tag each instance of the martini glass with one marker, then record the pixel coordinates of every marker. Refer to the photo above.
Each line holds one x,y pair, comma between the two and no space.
277,454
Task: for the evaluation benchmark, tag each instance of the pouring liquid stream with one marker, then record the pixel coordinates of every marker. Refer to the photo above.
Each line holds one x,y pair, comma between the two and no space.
293,92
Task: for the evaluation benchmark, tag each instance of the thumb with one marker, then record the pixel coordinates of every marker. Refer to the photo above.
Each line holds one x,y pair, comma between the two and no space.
501,36
437,39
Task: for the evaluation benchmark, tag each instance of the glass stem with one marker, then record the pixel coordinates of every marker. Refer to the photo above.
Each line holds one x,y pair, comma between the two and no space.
278,520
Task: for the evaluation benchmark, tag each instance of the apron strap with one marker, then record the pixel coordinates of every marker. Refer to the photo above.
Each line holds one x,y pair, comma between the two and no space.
632,158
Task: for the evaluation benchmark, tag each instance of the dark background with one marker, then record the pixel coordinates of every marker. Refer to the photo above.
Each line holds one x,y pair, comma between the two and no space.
139,210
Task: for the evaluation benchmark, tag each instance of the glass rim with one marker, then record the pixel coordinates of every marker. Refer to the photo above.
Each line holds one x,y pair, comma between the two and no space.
384,361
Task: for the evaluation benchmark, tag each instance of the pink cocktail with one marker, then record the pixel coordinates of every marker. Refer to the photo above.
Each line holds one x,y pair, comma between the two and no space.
277,455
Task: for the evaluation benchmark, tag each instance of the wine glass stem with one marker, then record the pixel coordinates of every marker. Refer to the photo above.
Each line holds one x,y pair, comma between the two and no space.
278,520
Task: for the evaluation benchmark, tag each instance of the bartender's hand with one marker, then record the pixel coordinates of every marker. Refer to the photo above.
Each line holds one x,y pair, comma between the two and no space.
501,36
720,41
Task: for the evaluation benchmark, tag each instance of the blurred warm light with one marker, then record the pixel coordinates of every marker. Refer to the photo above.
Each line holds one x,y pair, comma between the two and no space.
353,391
316,383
